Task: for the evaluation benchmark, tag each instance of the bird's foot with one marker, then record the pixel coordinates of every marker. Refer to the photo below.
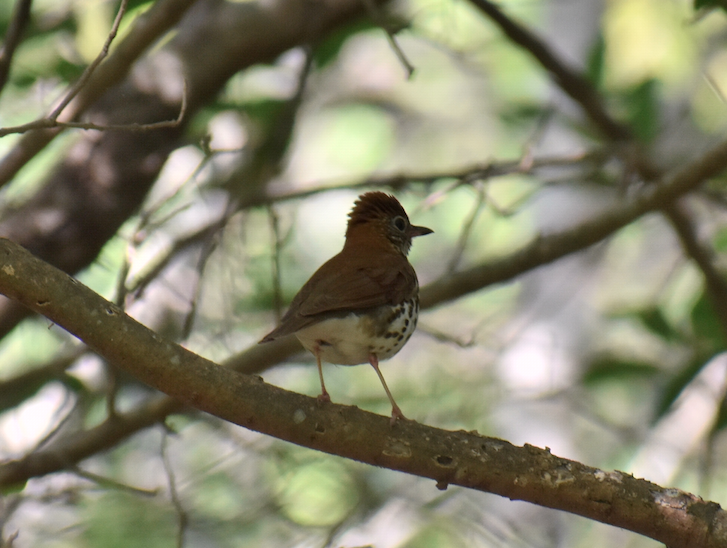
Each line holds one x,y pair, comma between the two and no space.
396,414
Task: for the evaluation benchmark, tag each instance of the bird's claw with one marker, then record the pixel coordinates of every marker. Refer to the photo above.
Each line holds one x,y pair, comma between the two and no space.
396,414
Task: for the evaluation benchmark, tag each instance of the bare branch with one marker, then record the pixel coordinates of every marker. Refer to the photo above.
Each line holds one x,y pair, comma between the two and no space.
465,233
449,458
464,176
76,88
702,256
257,358
375,14
549,248
147,28
583,92
569,79
111,483
17,25
15,390
132,162
182,518
52,123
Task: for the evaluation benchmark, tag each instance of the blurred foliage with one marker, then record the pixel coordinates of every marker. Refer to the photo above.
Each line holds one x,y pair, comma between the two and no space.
117,520
594,356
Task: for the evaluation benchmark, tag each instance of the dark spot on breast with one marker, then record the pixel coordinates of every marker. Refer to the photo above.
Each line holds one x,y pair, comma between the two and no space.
395,314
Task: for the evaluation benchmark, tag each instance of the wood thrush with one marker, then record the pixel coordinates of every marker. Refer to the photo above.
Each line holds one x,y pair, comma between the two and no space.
362,305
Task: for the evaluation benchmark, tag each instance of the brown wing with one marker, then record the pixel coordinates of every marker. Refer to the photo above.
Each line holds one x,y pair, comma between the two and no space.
348,282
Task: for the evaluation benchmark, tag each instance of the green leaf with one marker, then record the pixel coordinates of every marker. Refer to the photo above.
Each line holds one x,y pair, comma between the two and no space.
329,48
522,114
721,422
643,109
706,325
720,240
653,319
264,111
609,367
676,385
710,4
119,520
596,63
710,340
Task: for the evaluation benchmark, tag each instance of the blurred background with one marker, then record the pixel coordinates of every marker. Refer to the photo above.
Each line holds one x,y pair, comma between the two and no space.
613,355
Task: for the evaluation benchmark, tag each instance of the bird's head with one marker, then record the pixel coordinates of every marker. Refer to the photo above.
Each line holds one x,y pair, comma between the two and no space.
377,217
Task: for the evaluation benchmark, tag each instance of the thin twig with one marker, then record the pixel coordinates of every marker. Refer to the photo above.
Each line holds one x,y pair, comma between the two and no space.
258,358
111,483
182,517
446,457
121,290
60,424
10,541
143,31
21,17
715,87
467,230
14,390
583,92
702,256
569,79
92,67
52,123
547,248
9,504
464,176
275,266
375,13
268,155
205,254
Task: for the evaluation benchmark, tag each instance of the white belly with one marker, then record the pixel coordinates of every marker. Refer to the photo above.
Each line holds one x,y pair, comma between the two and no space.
352,339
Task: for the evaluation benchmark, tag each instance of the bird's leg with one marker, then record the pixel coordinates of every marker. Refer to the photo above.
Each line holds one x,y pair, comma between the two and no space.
323,397
395,411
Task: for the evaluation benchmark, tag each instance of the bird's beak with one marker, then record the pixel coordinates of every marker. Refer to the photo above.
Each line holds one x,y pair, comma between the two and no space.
415,231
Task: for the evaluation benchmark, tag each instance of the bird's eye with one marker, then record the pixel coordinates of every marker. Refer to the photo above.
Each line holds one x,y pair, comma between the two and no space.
400,223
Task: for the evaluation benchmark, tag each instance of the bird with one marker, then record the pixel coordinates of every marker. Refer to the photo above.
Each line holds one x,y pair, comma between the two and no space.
362,305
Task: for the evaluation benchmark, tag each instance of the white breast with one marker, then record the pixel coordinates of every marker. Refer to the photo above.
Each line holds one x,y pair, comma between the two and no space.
352,339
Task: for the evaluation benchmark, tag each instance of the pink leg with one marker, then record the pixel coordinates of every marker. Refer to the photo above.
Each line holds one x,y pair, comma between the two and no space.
395,411
323,396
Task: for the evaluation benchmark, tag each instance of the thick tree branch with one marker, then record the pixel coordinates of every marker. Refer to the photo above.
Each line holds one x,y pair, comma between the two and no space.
554,482
551,247
460,458
583,92
541,251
